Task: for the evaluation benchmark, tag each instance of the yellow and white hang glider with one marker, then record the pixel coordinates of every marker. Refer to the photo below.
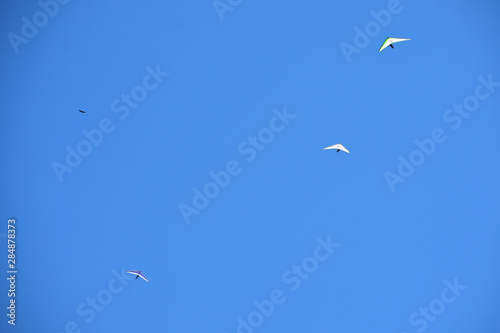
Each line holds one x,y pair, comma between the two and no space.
339,147
391,40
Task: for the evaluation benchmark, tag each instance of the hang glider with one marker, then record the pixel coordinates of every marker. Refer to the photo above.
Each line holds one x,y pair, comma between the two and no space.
391,40
339,147
138,273
82,111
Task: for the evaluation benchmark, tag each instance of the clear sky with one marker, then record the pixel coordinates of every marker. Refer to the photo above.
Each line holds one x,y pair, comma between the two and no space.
199,161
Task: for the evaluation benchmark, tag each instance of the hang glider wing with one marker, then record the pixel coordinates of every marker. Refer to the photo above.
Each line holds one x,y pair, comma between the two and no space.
138,273
391,40
338,146
81,111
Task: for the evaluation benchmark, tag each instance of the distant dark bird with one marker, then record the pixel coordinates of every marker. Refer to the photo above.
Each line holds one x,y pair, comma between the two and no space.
81,111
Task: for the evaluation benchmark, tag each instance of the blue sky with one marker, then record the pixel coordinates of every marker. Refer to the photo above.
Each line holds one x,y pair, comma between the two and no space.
400,235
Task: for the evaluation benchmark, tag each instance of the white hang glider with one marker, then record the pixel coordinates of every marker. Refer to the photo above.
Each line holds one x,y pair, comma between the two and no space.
138,273
339,147
391,40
